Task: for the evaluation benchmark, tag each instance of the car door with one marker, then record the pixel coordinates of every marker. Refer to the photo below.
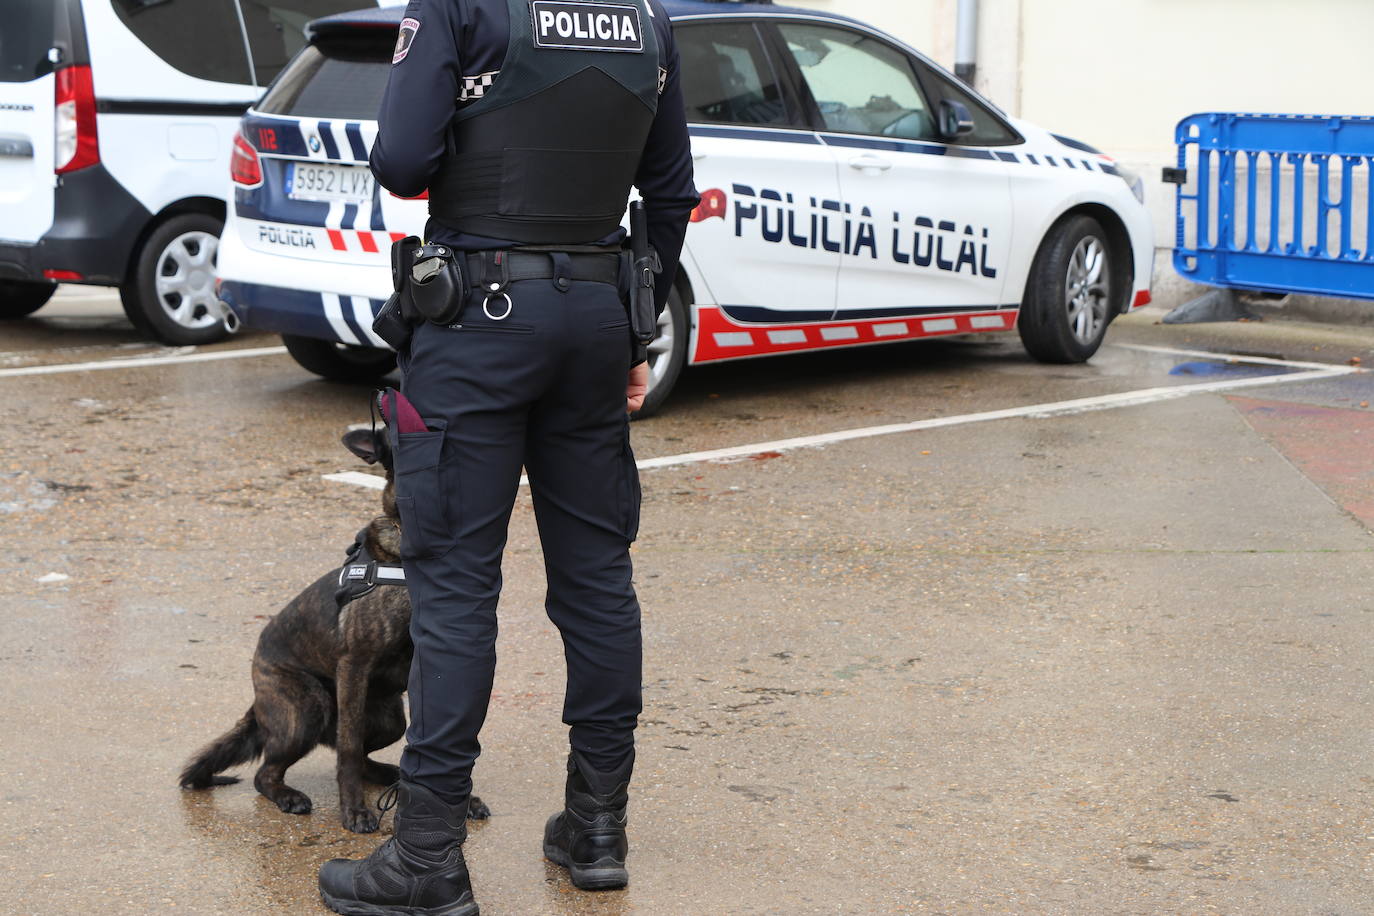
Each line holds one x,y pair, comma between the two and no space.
27,102
927,223
768,183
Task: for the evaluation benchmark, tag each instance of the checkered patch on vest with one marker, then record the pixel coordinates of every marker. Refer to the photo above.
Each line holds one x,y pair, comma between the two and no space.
474,87
581,26
662,80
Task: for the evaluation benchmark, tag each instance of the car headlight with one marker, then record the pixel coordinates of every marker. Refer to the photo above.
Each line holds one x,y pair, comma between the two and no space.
1133,181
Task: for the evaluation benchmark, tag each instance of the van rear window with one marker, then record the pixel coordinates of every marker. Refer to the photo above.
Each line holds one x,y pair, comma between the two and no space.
343,83
276,29
26,34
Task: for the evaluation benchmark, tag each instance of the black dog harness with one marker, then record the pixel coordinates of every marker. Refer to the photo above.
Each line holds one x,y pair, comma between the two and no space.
361,573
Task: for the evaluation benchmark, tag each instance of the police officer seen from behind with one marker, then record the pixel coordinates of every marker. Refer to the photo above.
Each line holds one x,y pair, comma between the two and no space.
527,121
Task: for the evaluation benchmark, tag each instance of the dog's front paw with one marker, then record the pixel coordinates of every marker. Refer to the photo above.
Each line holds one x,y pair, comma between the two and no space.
292,801
359,820
477,809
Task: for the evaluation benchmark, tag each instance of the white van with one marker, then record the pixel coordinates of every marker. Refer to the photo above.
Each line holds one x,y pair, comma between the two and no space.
117,118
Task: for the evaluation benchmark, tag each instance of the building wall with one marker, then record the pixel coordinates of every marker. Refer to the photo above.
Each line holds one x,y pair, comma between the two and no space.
1120,74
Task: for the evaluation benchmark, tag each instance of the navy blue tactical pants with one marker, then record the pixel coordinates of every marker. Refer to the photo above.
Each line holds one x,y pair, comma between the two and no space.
545,389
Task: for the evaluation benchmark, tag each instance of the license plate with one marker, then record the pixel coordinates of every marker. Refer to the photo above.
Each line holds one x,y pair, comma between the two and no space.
348,183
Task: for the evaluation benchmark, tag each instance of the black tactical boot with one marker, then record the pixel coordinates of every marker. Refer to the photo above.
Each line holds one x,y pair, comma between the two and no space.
588,836
418,872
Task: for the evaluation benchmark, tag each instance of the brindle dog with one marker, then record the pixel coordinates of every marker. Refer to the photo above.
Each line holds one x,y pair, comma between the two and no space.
325,676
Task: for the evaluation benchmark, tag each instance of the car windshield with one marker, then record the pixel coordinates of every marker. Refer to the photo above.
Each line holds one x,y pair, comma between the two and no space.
25,38
343,80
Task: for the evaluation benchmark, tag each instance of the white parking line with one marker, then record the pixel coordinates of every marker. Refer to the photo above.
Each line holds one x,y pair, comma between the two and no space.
142,362
1313,372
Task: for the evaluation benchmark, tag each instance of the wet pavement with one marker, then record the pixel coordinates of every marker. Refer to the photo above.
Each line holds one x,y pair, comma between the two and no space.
1111,657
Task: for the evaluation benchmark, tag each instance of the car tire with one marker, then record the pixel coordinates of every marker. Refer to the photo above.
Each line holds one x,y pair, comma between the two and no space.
340,362
19,298
1070,294
170,294
667,354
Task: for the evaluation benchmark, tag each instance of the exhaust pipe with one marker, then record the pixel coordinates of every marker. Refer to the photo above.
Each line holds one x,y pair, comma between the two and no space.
227,317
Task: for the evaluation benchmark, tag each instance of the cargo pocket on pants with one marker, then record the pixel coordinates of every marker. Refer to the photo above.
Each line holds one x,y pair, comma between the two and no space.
426,496
631,494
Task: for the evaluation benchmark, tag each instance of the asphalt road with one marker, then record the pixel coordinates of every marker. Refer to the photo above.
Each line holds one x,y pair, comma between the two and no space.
1087,639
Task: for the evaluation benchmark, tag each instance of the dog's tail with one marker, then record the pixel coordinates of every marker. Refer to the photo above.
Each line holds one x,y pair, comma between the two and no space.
239,744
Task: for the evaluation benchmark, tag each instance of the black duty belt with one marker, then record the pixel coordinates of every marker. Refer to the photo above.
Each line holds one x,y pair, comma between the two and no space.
535,265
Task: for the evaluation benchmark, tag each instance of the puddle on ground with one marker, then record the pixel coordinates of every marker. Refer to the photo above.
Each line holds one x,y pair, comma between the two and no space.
1210,369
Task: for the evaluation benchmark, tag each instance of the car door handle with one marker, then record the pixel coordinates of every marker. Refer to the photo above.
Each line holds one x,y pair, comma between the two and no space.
870,162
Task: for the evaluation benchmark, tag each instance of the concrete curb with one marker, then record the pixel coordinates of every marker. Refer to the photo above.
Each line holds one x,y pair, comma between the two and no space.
1171,291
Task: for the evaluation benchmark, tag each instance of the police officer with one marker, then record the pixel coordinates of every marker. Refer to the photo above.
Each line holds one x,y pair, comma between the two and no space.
527,121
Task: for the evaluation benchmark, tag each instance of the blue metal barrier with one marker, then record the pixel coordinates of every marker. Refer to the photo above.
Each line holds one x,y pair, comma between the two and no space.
1277,203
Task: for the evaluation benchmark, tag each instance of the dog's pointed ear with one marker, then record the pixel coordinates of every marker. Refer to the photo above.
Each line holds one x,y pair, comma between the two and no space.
362,443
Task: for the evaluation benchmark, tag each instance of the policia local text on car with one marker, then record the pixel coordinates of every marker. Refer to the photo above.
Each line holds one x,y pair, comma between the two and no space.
524,360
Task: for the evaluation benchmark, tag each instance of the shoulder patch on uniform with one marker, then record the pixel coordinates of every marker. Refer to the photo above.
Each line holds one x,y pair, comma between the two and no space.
577,25
409,28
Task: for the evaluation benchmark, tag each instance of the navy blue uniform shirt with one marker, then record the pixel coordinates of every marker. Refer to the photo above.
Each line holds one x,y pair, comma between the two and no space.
455,55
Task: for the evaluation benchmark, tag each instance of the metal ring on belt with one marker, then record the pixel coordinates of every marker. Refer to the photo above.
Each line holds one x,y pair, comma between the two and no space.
533,265
486,307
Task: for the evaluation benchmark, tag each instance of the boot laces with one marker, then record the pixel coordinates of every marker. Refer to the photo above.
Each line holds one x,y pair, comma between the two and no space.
389,797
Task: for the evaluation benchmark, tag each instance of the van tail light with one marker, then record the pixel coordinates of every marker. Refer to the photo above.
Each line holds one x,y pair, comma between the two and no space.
76,144
244,165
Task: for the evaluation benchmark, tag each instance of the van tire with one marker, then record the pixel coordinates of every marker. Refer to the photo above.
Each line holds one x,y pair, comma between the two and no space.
667,363
170,294
340,362
1060,323
19,298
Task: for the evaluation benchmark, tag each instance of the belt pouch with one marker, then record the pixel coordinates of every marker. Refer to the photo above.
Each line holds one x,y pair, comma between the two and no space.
391,324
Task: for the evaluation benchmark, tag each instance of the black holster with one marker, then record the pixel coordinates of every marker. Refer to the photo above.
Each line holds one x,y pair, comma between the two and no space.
436,282
397,319
644,265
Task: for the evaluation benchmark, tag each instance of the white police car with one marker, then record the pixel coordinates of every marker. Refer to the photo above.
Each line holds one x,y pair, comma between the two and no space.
116,118
853,193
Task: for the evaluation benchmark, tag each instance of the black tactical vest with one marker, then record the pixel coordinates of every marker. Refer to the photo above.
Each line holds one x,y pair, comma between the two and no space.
548,155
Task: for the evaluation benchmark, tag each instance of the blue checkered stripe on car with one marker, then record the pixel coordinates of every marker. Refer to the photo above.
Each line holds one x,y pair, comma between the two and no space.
1067,160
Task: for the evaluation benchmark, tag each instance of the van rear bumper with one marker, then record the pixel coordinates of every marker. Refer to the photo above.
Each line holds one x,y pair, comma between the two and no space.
96,223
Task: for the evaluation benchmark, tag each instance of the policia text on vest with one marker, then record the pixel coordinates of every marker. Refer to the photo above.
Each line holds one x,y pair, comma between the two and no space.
595,27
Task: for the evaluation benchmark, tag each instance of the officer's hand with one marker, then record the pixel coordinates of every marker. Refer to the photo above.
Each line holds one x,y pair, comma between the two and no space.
637,387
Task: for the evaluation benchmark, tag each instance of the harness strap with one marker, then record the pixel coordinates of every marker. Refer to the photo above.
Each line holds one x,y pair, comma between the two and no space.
361,574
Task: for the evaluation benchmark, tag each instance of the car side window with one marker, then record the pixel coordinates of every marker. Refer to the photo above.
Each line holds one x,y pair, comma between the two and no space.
860,84
988,129
276,29
25,38
727,77
201,38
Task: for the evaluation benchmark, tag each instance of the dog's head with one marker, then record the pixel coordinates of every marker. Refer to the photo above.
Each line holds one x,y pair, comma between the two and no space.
384,532
371,446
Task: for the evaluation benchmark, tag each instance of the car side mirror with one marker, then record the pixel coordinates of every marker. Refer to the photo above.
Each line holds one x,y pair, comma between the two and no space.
955,119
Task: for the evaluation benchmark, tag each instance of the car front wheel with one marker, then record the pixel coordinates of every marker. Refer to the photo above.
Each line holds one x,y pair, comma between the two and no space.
1070,293
667,354
340,362
22,297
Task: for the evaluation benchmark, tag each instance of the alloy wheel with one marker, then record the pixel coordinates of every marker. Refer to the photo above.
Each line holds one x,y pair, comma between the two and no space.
1085,289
